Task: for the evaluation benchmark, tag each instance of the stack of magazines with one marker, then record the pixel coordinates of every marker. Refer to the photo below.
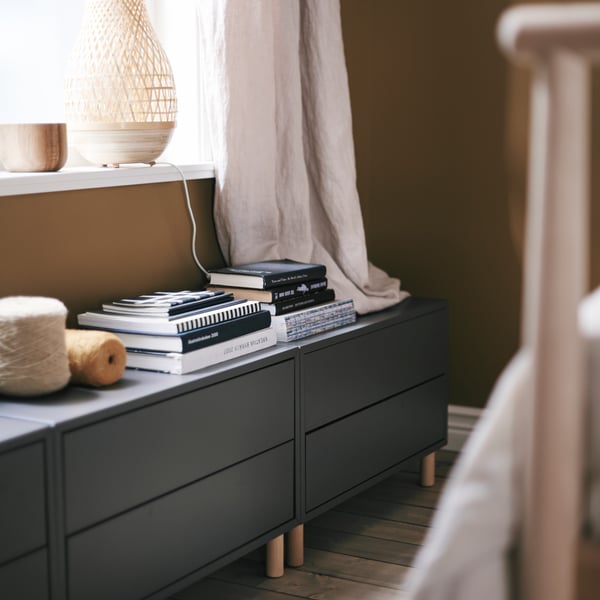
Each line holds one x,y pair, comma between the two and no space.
295,293
183,331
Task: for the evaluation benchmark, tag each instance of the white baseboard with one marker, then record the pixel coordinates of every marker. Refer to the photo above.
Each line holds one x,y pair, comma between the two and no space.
461,421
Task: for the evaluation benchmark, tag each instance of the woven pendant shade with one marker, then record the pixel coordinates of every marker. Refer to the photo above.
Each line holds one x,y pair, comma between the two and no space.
119,88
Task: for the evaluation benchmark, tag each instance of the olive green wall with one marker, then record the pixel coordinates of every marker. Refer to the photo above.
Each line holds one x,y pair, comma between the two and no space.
428,90
88,246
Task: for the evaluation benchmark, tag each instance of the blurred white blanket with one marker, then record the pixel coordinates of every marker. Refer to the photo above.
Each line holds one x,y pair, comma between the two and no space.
467,554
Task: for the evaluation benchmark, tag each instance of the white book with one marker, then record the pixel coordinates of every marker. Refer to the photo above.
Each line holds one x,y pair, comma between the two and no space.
310,321
168,325
180,363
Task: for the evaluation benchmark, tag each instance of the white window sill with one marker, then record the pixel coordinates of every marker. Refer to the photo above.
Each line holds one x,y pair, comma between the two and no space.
80,178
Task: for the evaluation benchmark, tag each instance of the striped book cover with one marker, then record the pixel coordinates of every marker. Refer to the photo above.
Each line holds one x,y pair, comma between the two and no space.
167,325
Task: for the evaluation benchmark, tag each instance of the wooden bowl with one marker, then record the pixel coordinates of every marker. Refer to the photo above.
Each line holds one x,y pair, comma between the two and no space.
27,147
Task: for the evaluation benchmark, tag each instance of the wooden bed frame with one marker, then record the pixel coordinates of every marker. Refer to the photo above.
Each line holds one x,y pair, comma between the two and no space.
560,43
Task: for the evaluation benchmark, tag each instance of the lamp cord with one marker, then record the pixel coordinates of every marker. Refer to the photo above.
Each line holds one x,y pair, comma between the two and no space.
190,212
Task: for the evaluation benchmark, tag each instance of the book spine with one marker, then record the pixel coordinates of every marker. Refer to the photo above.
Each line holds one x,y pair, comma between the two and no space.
198,338
227,330
294,291
246,344
291,335
137,324
175,310
217,316
299,302
315,313
277,279
312,320
179,364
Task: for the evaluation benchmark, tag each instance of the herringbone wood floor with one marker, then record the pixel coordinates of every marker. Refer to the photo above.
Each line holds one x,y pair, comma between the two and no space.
361,550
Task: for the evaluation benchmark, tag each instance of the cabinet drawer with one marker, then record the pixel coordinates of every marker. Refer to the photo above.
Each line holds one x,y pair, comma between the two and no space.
25,578
130,459
352,450
350,375
22,501
149,547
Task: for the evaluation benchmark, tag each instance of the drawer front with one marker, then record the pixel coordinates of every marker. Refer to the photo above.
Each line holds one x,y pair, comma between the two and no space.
150,547
130,459
352,450
22,501
348,376
26,578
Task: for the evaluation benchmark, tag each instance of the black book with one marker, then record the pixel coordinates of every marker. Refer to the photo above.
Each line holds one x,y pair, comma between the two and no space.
186,362
167,303
283,292
266,274
197,338
285,306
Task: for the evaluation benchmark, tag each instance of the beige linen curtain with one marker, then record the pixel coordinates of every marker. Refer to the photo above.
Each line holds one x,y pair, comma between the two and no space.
278,109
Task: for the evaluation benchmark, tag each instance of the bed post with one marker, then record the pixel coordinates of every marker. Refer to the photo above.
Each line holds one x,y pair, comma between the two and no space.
555,41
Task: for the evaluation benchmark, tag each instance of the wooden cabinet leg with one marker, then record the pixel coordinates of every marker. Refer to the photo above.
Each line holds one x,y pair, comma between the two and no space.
428,470
295,546
274,561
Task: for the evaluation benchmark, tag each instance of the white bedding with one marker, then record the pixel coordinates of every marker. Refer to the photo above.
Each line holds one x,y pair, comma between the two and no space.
468,552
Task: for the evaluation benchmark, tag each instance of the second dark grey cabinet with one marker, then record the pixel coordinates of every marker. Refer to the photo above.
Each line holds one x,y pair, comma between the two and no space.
372,397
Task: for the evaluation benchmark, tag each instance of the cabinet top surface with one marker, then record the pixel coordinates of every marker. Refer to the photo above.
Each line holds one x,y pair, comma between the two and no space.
18,430
75,404
410,308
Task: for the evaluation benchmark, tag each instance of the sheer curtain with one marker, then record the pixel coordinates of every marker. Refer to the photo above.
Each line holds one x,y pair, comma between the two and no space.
278,112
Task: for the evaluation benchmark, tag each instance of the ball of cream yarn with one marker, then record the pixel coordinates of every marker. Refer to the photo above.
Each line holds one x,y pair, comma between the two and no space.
33,353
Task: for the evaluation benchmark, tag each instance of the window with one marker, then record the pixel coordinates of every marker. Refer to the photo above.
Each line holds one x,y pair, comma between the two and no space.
177,26
36,37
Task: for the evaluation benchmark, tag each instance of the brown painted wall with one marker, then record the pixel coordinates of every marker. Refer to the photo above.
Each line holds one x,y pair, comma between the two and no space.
429,94
87,246
428,91
441,126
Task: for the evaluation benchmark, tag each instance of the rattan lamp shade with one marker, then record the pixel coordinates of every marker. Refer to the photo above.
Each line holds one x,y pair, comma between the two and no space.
119,87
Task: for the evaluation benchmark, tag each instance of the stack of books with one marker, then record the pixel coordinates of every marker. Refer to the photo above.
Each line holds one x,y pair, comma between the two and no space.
296,294
183,331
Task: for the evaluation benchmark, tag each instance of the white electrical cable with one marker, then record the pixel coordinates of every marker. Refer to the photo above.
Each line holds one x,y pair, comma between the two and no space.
190,212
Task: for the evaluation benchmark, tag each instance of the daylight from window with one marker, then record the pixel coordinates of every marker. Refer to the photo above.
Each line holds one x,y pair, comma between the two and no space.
35,39
37,36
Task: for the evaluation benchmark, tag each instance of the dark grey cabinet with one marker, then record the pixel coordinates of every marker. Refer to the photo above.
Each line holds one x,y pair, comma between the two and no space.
142,550
372,397
24,554
121,462
160,479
